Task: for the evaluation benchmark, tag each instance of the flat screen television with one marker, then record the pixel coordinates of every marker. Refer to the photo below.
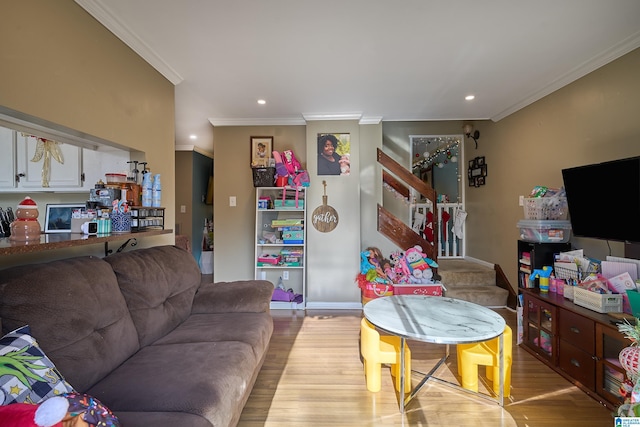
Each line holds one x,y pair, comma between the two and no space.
604,200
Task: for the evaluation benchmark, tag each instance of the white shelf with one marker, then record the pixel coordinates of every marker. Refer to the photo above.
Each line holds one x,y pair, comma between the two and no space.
264,217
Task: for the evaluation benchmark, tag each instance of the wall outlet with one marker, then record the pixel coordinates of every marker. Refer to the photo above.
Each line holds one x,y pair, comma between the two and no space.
285,275
232,201
183,209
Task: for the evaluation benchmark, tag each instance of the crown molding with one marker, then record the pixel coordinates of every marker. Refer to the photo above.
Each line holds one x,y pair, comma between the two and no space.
370,120
331,116
128,37
188,147
257,122
609,55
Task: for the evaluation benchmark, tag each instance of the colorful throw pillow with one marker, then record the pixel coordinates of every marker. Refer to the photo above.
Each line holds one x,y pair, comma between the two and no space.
26,373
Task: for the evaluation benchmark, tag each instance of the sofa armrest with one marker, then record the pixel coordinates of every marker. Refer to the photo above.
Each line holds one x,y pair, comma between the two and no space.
246,296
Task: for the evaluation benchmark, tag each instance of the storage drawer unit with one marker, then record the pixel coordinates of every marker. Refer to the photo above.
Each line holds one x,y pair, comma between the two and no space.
583,344
579,364
577,330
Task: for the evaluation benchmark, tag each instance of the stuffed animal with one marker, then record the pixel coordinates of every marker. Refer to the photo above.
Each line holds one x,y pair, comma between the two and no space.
67,410
53,412
419,265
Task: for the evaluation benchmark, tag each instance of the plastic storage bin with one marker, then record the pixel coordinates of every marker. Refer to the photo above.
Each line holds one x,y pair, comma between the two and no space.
545,231
602,303
546,208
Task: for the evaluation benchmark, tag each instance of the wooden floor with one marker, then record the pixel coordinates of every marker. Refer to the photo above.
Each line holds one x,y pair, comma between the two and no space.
313,376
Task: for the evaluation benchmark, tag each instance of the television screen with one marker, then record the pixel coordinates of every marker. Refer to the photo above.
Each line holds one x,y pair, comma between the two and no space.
604,200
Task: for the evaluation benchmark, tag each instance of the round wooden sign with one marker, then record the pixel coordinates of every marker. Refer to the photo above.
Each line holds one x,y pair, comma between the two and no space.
324,217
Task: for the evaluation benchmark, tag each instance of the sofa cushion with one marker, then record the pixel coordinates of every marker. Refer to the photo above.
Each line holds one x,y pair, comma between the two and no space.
158,284
76,312
241,296
29,376
206,379
254,329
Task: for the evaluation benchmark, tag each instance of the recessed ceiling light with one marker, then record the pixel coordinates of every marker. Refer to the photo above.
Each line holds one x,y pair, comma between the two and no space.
261,101
192,136
469,97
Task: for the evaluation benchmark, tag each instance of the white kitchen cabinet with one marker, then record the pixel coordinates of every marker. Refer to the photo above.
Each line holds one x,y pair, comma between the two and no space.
66,175
81,169
8,159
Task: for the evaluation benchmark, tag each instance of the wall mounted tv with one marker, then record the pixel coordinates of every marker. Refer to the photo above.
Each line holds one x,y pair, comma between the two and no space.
604,200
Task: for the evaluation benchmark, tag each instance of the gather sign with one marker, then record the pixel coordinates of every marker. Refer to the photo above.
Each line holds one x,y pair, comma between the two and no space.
324,217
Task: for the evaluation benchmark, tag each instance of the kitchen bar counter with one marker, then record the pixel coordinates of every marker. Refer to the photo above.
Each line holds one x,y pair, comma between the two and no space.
68,240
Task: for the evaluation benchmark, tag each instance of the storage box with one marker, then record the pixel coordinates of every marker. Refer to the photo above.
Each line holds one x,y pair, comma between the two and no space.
264,177
268,259
264,202
602,303
288,204
545,231
634,301
375,290
546,208
292,235
434,289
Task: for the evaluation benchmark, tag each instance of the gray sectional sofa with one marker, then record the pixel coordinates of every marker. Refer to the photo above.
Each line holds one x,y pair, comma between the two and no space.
140,332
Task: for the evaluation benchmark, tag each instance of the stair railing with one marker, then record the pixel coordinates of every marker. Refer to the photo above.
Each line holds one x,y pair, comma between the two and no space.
393,228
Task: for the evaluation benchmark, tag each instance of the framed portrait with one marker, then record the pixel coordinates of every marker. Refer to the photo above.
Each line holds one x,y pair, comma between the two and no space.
261,148
58,217
334,154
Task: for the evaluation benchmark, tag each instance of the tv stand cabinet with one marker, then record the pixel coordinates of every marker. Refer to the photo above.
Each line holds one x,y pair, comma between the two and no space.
579,344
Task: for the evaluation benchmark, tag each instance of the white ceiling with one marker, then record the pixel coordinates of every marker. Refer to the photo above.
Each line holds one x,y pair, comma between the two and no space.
369,59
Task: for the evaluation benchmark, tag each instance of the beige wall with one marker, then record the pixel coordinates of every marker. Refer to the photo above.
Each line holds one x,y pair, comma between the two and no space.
59,64
234,227
592,120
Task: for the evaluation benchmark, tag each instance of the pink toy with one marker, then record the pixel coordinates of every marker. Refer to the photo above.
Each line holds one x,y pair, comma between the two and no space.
290,162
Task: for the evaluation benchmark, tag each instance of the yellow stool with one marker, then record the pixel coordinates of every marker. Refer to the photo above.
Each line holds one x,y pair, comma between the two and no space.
376,350
485,353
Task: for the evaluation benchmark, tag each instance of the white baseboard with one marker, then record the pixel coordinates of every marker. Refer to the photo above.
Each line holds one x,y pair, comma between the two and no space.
334,306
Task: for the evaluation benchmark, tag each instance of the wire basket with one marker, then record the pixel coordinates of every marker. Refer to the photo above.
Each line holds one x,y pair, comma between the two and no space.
546,208
578,273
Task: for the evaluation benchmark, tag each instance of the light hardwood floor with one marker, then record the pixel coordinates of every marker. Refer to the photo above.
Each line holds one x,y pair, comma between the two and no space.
313,376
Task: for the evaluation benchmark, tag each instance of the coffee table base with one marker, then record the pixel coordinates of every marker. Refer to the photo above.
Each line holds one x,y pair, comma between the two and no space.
405,400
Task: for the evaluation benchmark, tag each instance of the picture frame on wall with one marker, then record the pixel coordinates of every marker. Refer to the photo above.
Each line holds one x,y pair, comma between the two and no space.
334,154
261,148
58,217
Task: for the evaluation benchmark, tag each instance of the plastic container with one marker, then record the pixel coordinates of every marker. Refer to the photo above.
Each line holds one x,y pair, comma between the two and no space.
147,190
116,178
156,192
545,231
602,303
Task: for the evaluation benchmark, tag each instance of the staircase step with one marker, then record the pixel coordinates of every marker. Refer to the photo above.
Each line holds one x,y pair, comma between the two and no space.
471,281
463,273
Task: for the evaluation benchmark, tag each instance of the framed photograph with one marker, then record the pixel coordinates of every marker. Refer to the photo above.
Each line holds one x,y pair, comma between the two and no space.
480,161
58,217
483,170
261,148
334,154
